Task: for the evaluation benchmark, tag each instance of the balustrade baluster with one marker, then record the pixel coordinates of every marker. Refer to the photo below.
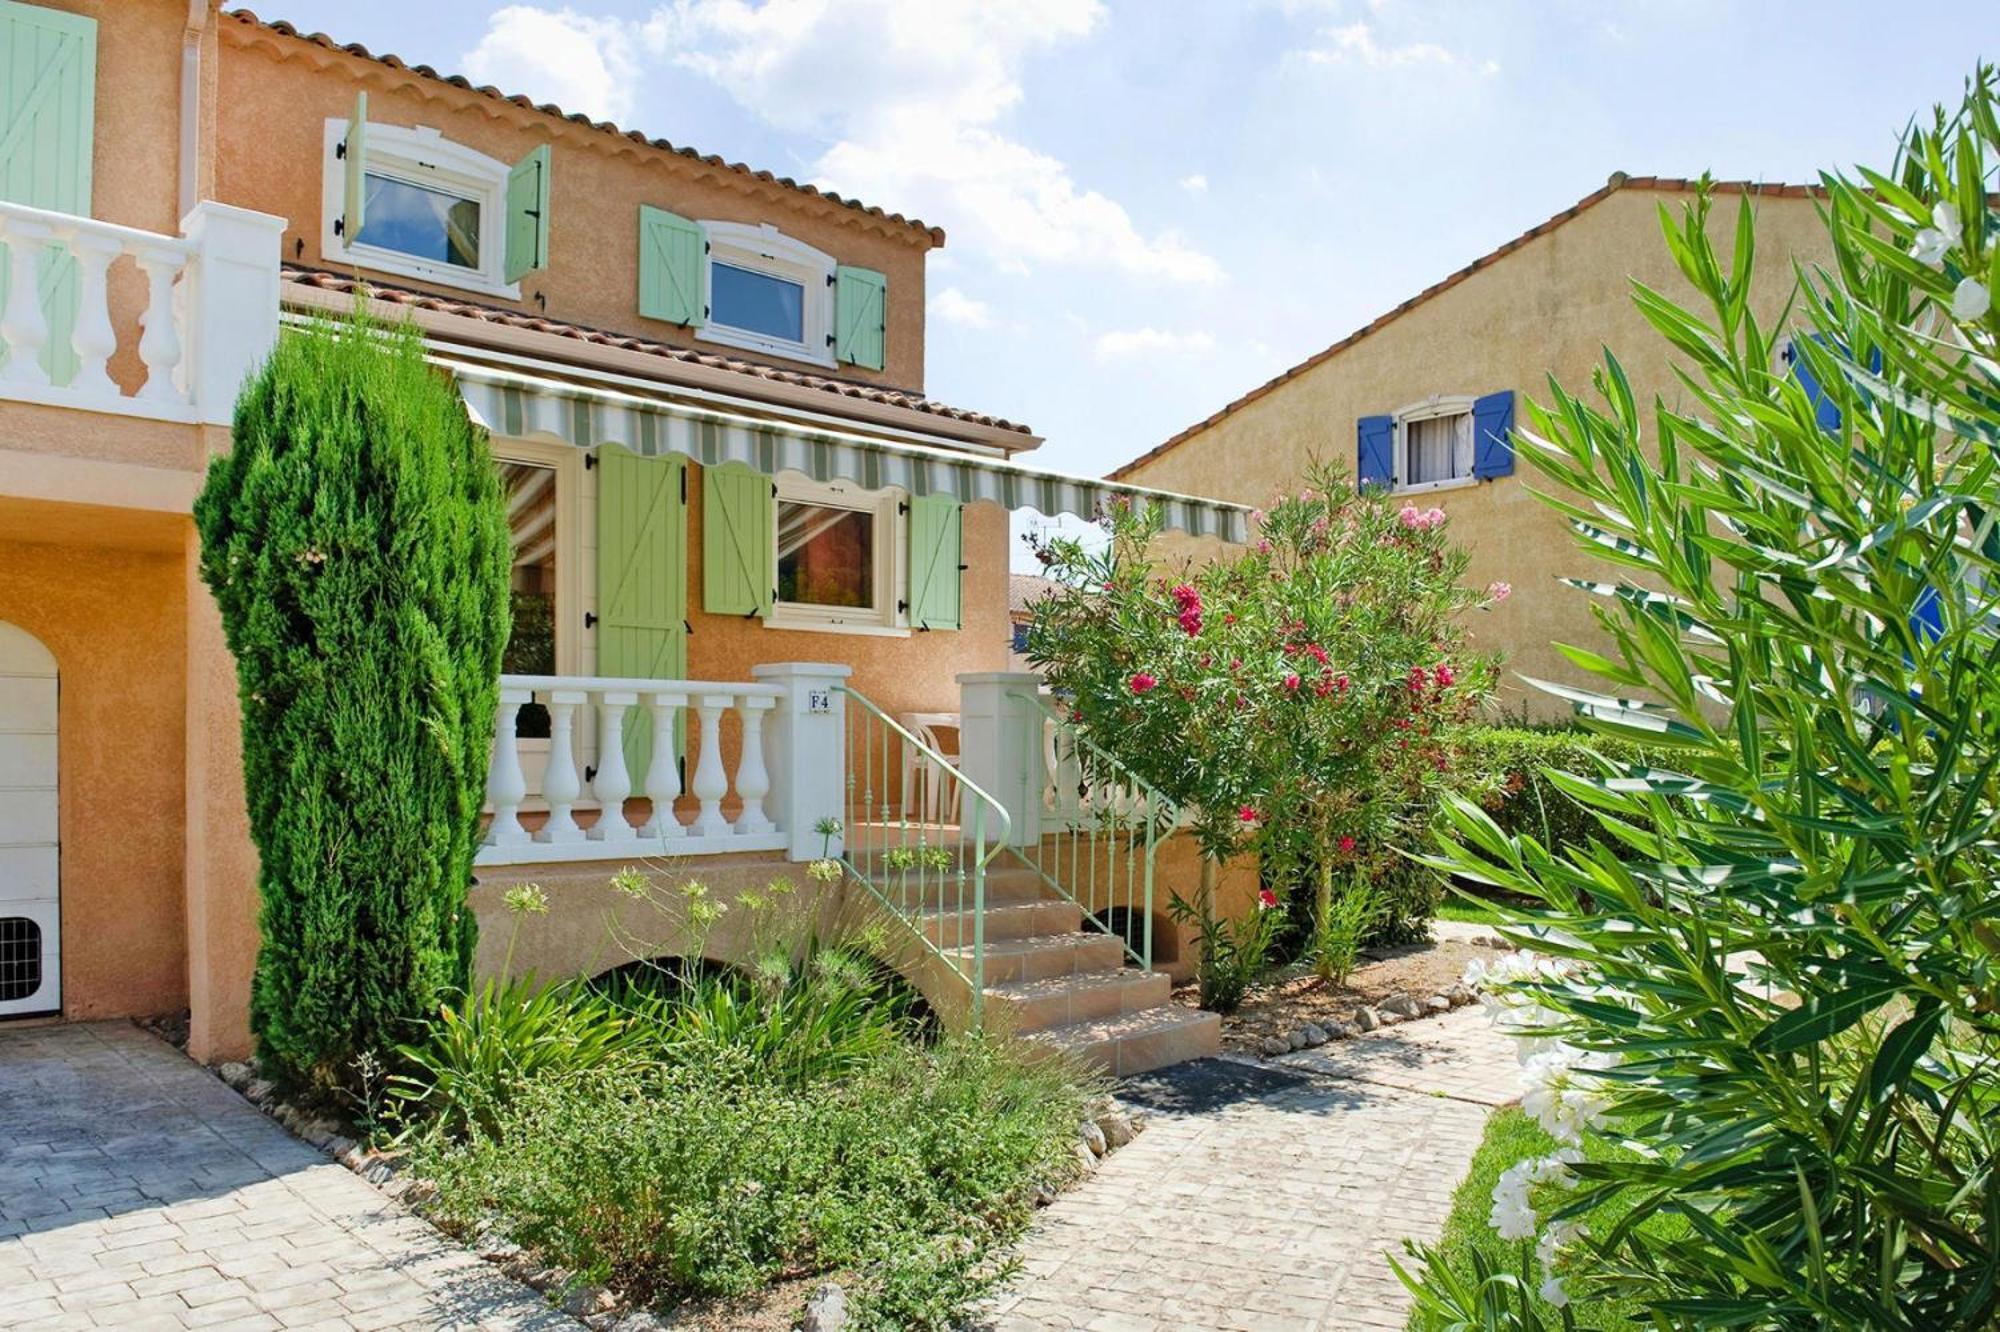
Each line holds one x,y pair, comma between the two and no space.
753,779
93,339
663,770
160,346
560,786
506,784
711,782
23,329
613,782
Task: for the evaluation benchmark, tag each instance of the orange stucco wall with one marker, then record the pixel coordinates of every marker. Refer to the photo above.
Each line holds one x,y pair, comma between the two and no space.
277,93
112,615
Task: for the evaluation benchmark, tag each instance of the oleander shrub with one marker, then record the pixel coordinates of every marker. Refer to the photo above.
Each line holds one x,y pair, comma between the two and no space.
1773,972
356,545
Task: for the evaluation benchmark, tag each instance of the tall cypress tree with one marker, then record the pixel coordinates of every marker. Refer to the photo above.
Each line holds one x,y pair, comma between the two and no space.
356,542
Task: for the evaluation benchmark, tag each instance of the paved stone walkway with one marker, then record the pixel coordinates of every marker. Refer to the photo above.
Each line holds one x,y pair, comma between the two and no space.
138,1192
1264,1198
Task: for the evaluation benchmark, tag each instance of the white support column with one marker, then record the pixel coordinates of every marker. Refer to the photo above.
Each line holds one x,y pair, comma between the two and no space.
753,776
233,301
612,783
1000,745
807,746
560,786
94,339
711,782
663,769
506,784
23,330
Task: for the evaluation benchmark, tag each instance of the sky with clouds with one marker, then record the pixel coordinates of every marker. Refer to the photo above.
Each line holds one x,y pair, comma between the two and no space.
1156,205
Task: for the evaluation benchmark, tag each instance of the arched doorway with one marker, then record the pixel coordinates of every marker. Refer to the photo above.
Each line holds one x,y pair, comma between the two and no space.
30,909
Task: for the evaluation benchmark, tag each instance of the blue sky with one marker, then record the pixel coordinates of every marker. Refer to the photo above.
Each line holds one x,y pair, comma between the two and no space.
1153,207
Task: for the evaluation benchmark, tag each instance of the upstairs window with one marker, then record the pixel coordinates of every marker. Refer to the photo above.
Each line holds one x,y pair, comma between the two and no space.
408,201
1434,444
768,292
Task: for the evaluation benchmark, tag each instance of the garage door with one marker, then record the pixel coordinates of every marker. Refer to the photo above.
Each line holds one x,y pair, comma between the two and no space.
30,942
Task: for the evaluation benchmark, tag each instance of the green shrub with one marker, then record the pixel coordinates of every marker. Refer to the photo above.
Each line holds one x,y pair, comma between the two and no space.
707,1175
355,542
1777,978
1523,797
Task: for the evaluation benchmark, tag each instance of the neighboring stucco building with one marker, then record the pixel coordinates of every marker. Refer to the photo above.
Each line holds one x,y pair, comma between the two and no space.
731,501
1422,399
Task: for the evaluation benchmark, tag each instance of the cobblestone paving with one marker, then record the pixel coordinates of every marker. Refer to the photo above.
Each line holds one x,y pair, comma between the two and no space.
1264,1199
138,1192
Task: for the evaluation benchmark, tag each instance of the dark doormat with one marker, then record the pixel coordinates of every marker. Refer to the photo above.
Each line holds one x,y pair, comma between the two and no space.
1205,1085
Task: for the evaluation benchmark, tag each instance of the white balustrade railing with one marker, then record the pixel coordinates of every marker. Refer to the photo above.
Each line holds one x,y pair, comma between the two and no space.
210,312
600,709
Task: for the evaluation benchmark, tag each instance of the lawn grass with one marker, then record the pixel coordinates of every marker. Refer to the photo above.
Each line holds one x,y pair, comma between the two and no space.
1512,1136
1467,911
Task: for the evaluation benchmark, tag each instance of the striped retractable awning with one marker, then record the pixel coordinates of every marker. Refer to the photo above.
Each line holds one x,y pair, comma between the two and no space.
589,415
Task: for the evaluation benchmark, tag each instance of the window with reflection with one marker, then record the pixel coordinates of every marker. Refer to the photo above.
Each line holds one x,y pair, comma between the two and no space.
826,555
530,491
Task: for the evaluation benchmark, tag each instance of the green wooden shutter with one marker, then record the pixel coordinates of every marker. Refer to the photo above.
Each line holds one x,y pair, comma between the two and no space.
354,178
528,215
936,551
641,580
860,315
48,97
738,541
672,254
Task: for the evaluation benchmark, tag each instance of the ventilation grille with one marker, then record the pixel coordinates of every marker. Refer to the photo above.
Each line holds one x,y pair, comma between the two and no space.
20,958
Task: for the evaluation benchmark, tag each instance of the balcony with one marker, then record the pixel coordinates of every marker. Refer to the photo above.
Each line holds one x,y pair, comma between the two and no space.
76,331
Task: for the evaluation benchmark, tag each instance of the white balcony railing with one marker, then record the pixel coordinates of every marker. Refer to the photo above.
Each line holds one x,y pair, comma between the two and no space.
602,710
209,314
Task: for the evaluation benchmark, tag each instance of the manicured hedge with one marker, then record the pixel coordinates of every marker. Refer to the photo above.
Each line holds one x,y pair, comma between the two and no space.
1526,801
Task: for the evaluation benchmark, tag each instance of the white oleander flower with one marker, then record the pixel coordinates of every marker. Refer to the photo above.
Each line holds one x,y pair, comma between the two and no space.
1560,1094
1970,301
1513,1213
1933,241
1552,1293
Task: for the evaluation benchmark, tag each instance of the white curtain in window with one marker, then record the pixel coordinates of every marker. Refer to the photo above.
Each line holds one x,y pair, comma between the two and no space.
1440,448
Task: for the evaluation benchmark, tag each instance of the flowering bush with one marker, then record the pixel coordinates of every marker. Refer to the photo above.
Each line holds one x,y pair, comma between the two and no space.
1302,700
1777,982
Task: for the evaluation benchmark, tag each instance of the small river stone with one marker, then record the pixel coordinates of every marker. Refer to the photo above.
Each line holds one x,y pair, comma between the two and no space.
1315,1034
1093,1138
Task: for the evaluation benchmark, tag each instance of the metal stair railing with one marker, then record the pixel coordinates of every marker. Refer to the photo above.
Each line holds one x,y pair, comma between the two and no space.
1101,826
931,876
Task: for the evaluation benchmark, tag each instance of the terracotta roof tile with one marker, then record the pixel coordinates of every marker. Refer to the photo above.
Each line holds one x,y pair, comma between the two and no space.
1619,181
320,39
320,280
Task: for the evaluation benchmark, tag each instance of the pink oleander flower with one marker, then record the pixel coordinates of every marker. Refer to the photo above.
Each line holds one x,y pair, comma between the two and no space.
1257,517
1292,682
1340,683
1346,846
1444,677
1433,517
1247,814
1266,899
1409,516
1499,591
1264,547
1419,677
1143,682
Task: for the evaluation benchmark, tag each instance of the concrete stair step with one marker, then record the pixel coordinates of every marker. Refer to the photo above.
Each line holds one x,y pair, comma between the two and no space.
932,888
1041,956
1008,920
1026,1006
1138,1042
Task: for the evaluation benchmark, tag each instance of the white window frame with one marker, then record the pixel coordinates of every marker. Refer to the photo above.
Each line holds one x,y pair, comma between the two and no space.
423,157
1429,409
572,580
888,616
762,248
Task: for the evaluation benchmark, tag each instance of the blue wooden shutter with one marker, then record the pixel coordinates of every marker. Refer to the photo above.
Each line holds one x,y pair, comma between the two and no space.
673,254
1825,410
48,99
860,316
1493,435
739,516
1375,448
528,215
936,550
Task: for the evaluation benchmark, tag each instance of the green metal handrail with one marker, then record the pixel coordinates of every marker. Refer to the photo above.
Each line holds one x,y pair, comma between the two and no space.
1131,806
880,840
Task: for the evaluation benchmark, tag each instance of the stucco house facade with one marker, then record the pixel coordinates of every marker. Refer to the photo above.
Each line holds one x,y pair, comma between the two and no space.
1423,399
735,511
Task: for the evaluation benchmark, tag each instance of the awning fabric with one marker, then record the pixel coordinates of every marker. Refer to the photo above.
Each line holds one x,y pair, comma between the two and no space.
588,415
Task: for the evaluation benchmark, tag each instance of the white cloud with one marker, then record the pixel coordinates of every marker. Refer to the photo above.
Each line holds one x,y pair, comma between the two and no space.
912,93
1132,343
580,63
1356,43
955,307
1195,184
